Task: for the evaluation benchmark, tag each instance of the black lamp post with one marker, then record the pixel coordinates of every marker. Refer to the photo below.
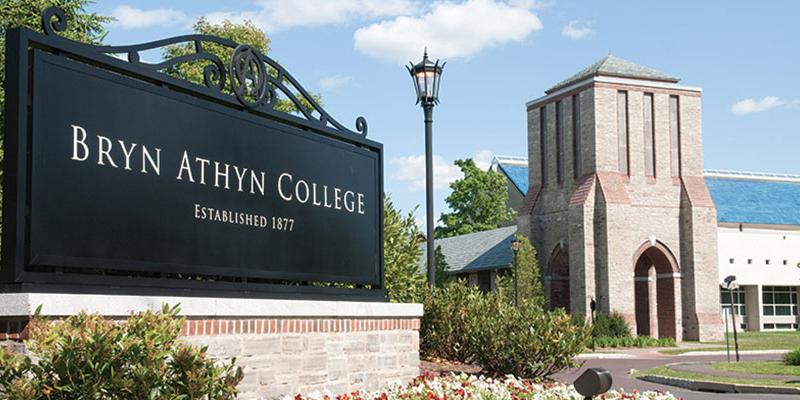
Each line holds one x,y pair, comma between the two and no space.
426,76
731,284
515,249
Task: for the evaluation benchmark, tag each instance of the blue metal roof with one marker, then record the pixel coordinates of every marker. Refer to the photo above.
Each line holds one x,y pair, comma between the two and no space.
755,201
517,174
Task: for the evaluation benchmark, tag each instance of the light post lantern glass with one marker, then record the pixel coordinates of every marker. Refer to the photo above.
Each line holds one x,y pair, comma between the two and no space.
515,248
515,245
426,75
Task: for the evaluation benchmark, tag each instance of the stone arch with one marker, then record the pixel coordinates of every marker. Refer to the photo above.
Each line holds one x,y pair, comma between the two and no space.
656,290
557,278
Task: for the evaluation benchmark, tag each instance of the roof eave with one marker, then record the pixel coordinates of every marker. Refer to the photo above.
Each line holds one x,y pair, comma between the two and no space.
614,80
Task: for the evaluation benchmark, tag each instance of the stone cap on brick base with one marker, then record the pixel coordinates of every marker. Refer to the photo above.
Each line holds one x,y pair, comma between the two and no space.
60,304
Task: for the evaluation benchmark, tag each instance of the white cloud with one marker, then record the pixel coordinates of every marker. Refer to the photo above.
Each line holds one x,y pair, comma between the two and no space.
449,30
576,30
334,82
748,106
483,159
411,169
278,15
128,17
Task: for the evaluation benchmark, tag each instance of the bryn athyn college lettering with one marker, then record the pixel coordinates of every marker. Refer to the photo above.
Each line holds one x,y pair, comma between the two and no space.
106,152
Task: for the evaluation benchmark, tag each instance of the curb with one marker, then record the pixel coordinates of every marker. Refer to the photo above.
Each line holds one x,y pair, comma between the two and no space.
603,356
723,352
717,387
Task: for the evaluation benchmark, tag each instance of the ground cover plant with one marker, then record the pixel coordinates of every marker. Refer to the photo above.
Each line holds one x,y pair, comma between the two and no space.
633,341
87,356
472,387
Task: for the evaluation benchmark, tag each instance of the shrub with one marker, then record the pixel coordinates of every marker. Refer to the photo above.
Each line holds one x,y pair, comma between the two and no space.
524,341
610,325
792,357
463,324
444,323
89,357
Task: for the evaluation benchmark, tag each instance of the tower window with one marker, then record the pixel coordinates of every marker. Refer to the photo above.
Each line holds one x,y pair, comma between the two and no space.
730,261
649,137
576,136
767,261
785,262
543,142
622,132
559,141
675,135
749,260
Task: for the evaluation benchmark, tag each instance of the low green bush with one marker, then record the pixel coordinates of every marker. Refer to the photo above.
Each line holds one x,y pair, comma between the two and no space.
525,341
463,324
633,341
610,325
792,357
89,357
443,331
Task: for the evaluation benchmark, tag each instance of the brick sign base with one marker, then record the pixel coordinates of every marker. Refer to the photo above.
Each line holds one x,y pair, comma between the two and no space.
285,347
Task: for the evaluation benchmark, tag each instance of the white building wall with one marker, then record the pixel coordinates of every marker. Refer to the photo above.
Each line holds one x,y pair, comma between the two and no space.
759,256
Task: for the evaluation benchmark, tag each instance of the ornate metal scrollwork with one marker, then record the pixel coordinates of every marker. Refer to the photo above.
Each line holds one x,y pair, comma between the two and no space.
248,76
253,77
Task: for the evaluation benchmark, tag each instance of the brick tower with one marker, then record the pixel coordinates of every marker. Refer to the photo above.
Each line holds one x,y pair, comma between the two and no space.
617,206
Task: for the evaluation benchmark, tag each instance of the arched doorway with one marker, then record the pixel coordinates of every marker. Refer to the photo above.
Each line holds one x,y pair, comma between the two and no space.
558,278
656,276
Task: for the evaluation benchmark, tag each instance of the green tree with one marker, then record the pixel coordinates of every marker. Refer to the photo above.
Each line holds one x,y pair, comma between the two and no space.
82,26
440,267
243,33
402,239
478,202
530,282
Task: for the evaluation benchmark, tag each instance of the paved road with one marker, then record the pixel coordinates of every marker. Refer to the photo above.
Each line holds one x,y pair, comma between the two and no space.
619,369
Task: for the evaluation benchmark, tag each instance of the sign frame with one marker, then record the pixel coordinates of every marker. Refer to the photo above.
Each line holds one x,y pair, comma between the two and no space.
256,101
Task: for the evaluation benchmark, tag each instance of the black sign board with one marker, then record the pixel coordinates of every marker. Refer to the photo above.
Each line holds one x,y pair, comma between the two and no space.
117,174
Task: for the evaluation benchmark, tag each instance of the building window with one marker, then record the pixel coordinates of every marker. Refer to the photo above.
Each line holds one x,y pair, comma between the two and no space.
674,136
785,262
622,132
649,137
767,261
730,261
559,141
485,281
543,142
779,300
749,261
738,301
576,136
779,326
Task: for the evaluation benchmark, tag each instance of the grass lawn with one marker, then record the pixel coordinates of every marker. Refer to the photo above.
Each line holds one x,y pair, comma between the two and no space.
666,371
751,341
759,367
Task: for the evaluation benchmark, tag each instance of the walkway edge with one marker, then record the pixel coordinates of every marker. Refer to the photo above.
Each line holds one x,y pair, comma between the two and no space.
717,387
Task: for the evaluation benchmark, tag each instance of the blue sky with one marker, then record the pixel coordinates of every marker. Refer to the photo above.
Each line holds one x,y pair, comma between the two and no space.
501,54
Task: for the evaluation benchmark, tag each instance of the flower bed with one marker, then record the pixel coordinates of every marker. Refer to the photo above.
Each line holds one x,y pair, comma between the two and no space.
428,387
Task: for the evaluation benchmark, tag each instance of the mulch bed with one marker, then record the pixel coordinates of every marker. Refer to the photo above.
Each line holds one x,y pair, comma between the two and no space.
438,367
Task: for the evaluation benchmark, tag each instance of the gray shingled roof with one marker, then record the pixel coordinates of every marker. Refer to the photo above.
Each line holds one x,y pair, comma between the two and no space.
476,251
615,66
